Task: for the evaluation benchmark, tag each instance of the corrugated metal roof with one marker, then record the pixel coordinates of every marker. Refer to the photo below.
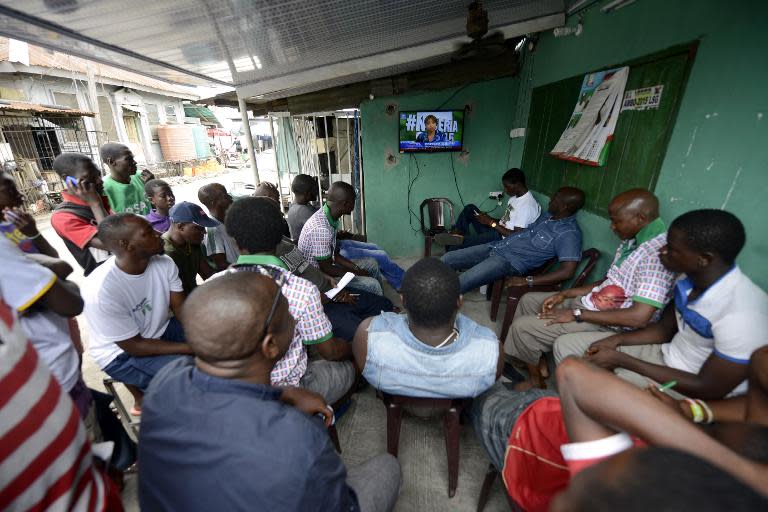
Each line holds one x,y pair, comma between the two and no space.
264,46
201,112
23,106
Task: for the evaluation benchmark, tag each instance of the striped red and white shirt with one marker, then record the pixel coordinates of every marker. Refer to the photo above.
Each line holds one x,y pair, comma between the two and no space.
45,455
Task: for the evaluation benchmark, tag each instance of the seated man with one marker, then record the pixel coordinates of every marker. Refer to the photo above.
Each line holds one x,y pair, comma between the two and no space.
127,302
219,246
82,208
256,226
318,241
183,243
717,319
161,198
522,210
123,187
432,351
346,310
271,450
45,300
632,295
539,442
555,234
305,190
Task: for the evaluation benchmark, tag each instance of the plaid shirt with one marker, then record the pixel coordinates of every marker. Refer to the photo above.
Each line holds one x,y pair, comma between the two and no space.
318,237
638,272
312,326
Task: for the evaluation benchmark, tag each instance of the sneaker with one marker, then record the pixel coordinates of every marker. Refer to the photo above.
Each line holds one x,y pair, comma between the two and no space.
449,239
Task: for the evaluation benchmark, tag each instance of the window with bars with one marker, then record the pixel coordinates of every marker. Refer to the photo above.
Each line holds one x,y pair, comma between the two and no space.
153,119
170,114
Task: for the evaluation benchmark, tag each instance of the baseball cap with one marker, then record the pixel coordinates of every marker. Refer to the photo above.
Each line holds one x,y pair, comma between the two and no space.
190,212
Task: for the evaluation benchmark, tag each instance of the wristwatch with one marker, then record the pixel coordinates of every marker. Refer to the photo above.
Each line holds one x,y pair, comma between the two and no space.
577,315
529,280
493,225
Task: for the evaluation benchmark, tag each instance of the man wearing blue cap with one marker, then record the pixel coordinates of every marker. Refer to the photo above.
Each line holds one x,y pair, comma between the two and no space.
183,243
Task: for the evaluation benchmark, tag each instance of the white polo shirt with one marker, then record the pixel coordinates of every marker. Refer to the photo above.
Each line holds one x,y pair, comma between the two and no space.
520,212
729,318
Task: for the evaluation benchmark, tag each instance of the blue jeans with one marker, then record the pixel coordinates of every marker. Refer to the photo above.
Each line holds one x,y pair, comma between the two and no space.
345,318
364,283
483,234
496,411
479,265
352,249
139,371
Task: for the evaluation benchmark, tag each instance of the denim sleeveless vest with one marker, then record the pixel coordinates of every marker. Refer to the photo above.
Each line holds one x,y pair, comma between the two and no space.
398,363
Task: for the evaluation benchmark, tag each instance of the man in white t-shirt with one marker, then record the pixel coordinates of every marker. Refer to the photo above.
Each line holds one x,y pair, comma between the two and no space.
44,300
522,209
127,303
718,319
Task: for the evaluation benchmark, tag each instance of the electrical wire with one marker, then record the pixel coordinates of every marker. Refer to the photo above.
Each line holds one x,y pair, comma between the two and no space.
411,213
457,91
455,181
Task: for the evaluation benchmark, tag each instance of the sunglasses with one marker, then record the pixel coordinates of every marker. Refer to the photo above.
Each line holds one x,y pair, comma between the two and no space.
280,281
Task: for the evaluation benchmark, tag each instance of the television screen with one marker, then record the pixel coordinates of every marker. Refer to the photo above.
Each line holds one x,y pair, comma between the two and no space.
437,130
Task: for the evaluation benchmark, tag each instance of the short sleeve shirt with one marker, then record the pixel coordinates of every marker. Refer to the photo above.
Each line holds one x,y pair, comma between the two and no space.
304,304
636,274
127,197
74,228
730,319
521,212
545,239
318,237
188,260
217,241
297,216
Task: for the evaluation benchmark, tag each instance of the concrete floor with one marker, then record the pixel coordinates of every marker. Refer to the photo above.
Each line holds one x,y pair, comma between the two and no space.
362,430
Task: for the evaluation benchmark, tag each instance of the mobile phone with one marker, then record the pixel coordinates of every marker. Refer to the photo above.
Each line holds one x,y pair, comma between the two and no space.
69,180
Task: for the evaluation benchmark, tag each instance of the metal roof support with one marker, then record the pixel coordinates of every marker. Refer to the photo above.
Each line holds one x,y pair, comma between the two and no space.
249,139
277,164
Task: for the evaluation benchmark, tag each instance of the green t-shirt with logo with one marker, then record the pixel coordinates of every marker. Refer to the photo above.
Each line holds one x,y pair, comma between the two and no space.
129,198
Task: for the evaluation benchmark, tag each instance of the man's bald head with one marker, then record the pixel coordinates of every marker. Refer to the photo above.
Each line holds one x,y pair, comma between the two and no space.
631,211
209,194
636,201
566,202
223,319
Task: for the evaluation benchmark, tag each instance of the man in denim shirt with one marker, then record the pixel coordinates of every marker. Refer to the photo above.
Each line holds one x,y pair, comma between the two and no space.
215,434
555,234
433,351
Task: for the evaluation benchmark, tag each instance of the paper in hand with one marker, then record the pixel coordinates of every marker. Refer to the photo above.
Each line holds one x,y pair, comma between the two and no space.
344,281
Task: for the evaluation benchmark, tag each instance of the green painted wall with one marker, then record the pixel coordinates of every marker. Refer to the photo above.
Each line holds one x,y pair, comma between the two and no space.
486,138
718,152
717,155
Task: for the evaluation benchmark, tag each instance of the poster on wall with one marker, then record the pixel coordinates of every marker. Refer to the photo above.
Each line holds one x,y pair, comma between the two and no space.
588,135
646,98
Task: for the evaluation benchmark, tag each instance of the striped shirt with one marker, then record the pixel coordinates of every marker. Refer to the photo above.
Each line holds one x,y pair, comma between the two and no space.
45,456
318,237
305,306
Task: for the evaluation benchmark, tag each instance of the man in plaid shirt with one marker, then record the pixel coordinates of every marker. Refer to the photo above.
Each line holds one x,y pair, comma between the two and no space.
318,242
256,226
635,290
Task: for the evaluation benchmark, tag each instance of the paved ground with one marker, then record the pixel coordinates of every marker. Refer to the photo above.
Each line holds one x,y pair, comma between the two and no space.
362,430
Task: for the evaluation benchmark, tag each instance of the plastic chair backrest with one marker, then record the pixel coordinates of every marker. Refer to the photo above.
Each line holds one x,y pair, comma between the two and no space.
591,256
436,207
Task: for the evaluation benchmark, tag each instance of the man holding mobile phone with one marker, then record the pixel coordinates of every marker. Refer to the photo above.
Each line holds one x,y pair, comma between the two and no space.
83,207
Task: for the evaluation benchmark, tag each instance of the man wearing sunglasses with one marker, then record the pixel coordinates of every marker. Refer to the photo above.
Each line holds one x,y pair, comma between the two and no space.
257,228
272,449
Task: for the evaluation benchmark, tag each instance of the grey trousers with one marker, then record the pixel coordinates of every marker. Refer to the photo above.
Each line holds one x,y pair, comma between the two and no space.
331,379
648,353
376,483
529,337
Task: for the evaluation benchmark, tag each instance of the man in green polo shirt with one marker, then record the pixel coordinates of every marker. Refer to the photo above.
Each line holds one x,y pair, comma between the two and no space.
633,294
123,187
183,243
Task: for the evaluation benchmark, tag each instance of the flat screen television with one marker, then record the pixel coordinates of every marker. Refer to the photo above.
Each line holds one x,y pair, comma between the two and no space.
430,131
